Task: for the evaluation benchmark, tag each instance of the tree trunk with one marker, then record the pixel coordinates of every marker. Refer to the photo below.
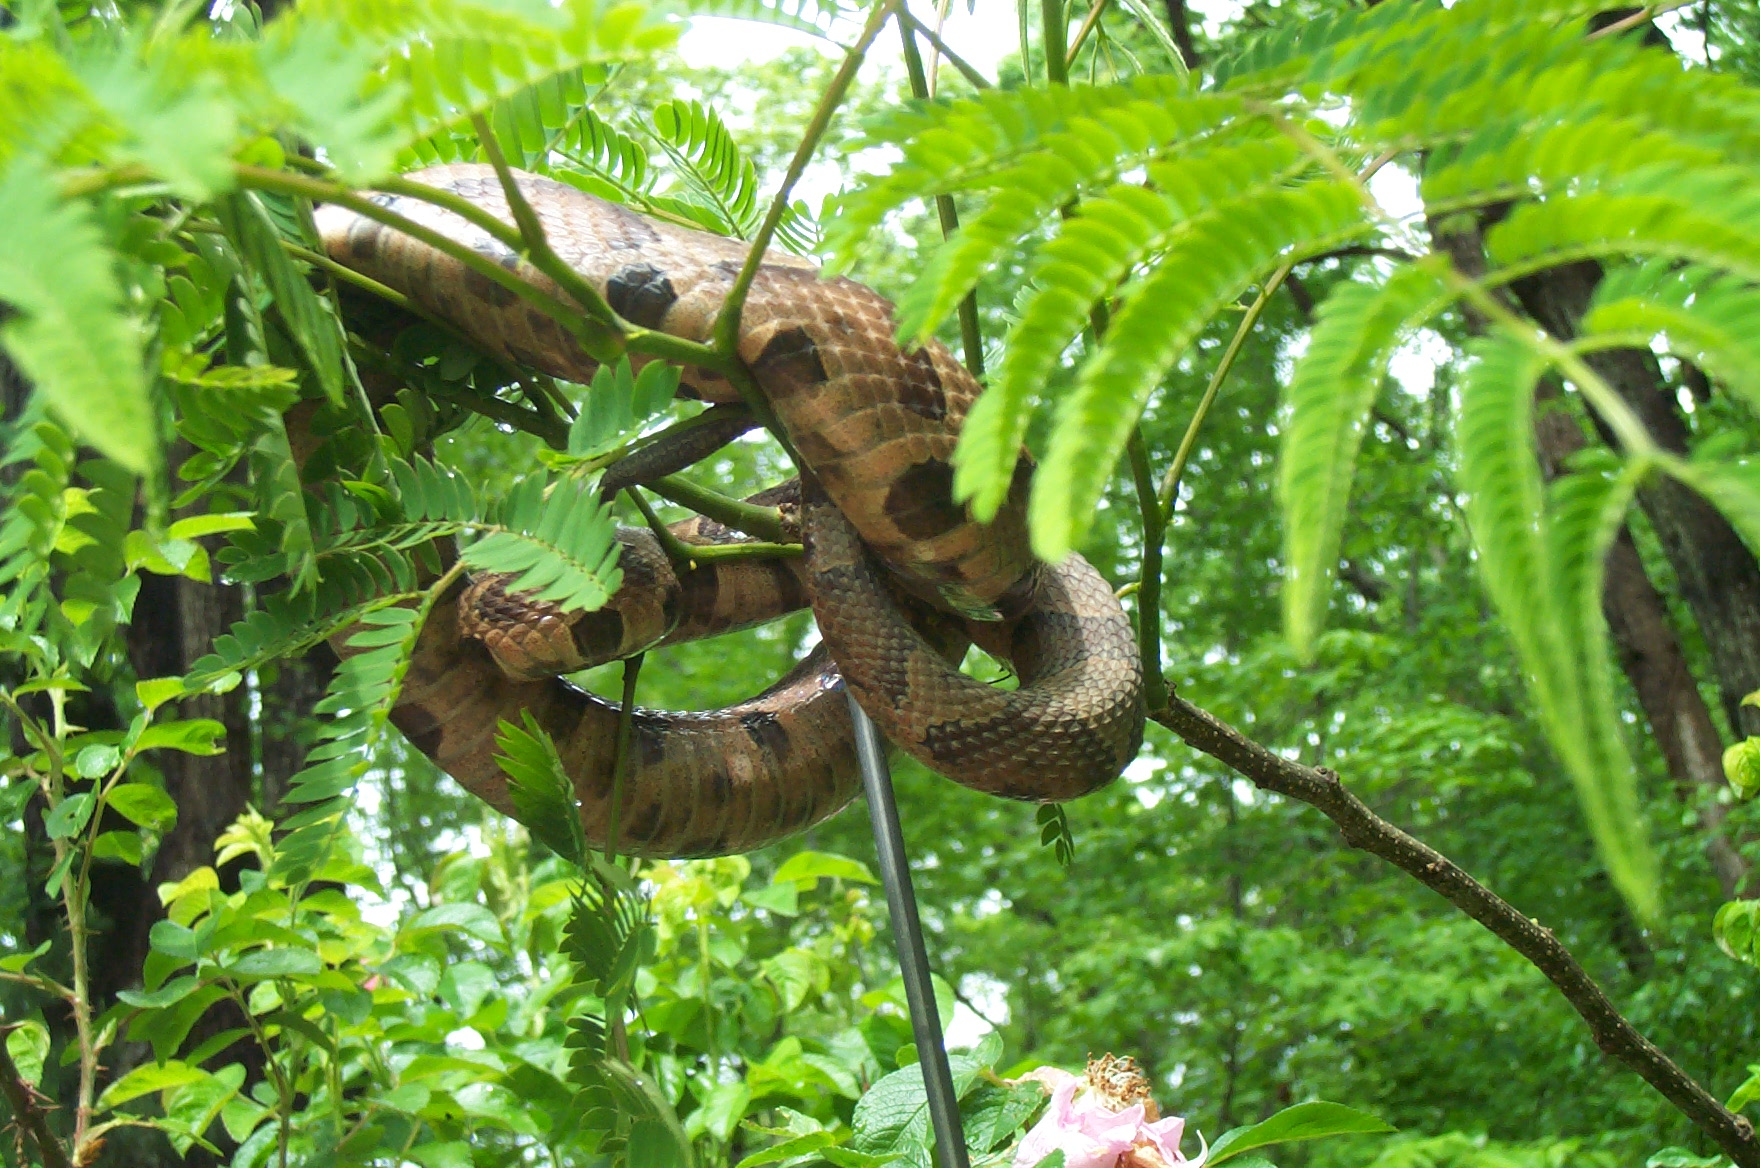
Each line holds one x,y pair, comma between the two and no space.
175,622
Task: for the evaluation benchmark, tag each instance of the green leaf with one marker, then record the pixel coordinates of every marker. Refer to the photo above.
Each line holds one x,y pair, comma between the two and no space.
28,1046
217,523
16,962
94,762
606,937
1329,396
70,333
561,544
806,869
1741,766
118,845
892,1119
144,806
146,1079
260,964
70,816
1736,928
542,793
171,992
473,920
718,173
618,403
789,1149
1210,262
1304,1121
1748,1092
1542,561
201,736
155,692
314,327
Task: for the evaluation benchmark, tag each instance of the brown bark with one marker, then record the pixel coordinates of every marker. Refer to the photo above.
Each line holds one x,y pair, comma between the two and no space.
1180,21
175,622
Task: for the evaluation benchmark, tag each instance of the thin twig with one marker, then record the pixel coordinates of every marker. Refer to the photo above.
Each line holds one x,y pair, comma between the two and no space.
966,69
531,232
1149,578
971,333
1643,16
754,519
1088,23
727,323
632,668
1321,789
1168,495
25,1109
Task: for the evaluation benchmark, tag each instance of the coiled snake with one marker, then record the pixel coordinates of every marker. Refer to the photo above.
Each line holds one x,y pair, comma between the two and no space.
876,427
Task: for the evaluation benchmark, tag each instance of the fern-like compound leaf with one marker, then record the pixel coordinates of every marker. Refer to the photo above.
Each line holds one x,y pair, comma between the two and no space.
542,793
1209,263
315,329
1542,565
1329,396
1712,320
69,332
618,403
717,172
561,544
1711,217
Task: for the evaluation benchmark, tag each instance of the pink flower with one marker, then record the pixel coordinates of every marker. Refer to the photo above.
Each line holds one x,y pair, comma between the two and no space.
1083,1122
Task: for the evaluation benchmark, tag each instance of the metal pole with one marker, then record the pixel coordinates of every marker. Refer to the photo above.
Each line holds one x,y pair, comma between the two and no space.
913,960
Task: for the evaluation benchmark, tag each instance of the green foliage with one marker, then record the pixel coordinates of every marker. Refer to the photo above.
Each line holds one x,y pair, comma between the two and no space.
1329,397
1171,212
483,1006
67,328
560,541
1305,1121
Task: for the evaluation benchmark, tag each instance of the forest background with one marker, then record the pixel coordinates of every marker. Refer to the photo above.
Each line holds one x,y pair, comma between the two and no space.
1221,934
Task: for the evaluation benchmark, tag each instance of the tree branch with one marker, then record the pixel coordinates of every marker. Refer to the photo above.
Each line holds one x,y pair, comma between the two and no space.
1362,828
26,1110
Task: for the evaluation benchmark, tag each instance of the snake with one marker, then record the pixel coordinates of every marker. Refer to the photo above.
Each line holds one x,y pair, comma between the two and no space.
901,579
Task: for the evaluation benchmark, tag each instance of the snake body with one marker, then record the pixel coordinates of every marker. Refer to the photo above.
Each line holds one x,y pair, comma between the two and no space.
896,571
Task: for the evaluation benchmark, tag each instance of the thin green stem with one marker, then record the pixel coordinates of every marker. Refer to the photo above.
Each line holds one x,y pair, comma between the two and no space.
632,668
1056,34
971,333
677,554
1149,578
1167,497
534,243
727,323
966,69
761,522
600,342
1089,23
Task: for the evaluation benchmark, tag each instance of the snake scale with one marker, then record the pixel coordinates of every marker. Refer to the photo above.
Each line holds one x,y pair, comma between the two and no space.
895,571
